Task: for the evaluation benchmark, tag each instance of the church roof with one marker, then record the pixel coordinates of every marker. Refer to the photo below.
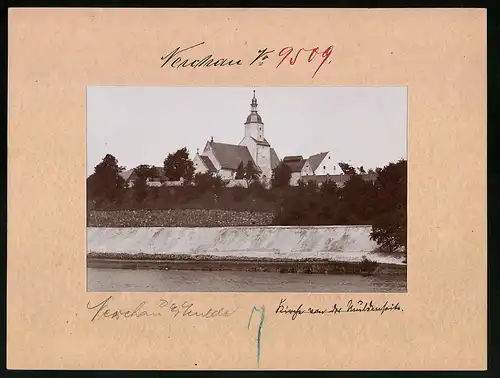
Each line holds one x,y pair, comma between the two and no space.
261,142
315,160
254,117
295,163
208,163
274,159
230,156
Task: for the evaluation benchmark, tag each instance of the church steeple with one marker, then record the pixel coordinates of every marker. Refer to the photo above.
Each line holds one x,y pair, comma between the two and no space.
254,103
254,117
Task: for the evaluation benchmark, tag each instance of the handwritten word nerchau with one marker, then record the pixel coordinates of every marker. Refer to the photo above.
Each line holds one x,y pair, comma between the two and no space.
208,61
103,310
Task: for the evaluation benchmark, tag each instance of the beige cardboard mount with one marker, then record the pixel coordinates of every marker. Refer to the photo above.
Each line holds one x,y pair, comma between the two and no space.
439,54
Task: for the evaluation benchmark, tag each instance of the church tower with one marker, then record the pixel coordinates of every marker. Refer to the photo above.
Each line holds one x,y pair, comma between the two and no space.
254,127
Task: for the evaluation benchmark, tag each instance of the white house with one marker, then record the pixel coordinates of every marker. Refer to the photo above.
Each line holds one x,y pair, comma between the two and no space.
321,164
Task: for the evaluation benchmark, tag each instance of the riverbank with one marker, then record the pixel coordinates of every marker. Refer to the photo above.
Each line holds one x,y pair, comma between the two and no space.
212,263
187,281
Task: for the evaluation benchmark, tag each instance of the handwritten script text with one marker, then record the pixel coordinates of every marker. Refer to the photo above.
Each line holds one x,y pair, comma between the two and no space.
351,308
177,58
103,310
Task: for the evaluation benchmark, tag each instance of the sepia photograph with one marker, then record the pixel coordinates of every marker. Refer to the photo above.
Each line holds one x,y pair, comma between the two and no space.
246,189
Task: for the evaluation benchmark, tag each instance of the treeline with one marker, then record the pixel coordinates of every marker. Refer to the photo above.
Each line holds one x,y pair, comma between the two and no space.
381,203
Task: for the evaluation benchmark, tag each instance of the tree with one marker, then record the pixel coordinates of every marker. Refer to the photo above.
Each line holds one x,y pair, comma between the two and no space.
106,183
251,173
207,181
143,173
178,165
357,197
281,176
371,171
240,172
347,168
361,170
389,224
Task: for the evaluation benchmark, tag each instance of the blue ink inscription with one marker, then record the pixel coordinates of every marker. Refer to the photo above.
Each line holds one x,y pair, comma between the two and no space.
261,311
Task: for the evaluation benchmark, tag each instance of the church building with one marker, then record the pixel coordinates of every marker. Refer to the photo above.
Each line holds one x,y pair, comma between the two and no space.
223,159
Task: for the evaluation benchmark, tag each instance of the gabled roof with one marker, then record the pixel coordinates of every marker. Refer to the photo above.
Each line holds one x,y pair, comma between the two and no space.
130,173
295,163
315,160
126,174
230,156
274,159
208,163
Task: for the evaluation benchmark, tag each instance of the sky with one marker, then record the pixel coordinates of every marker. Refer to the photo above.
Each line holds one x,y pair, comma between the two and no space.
366,126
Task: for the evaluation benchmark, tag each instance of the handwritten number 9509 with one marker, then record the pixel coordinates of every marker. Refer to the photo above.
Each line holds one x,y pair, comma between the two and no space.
287,51
261,311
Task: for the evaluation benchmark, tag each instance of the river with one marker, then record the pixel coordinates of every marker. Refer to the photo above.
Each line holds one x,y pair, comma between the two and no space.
130,280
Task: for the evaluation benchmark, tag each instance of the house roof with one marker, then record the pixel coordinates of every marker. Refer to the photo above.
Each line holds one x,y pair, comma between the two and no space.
337,178
274,159
208,163
130,173
126,174
295,163
230,156
315,160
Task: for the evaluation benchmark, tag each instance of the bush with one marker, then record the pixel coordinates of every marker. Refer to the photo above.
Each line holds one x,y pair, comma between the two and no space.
239,193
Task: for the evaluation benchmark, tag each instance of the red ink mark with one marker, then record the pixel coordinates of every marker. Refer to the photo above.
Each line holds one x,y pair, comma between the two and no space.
325,55
312,54
286,51
292,61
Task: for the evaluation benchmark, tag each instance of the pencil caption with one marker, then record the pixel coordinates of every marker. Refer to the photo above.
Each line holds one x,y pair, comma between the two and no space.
317,57
103,310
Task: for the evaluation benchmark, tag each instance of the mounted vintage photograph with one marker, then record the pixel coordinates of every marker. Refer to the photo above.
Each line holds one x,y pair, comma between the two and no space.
247,189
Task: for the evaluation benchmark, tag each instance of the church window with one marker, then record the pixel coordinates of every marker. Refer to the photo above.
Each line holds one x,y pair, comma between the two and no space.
324,167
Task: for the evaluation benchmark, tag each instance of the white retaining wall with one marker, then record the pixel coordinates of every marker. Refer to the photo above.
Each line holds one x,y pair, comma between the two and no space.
336,243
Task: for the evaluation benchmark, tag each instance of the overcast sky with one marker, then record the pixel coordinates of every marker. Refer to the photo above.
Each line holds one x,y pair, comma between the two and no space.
141,125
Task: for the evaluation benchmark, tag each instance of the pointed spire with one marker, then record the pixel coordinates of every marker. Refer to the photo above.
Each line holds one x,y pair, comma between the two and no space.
254,102
254,117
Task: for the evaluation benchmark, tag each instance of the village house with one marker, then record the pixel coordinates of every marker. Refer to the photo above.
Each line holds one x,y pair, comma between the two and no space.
157,180
320,164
